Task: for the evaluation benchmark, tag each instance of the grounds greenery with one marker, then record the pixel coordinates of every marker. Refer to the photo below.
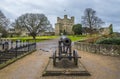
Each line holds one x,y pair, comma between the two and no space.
77,37
42,38
38,38
77,29
112,41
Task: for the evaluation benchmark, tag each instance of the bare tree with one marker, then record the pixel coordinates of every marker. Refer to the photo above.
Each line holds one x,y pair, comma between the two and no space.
91,20
18,29
34,23
50,28
4,22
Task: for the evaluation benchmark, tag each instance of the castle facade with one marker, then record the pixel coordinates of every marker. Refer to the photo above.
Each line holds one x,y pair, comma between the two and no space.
64,25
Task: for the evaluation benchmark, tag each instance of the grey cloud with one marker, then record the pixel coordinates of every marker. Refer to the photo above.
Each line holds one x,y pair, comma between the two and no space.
107,10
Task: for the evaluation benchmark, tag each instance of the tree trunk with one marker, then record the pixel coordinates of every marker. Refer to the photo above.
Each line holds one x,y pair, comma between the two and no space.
34,37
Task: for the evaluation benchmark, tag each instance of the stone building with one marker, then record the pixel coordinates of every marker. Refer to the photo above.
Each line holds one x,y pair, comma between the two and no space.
64,25
18,32
107,30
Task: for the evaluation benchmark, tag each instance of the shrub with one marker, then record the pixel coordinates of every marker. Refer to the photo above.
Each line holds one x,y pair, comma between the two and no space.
112,41
77,29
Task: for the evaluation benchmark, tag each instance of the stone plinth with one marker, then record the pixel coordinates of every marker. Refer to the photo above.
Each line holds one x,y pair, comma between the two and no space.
65,67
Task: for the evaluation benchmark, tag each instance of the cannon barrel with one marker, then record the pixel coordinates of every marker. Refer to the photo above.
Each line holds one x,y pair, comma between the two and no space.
66,41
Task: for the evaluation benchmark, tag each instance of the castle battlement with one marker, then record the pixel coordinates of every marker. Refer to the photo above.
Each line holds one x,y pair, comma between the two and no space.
59,20
64,25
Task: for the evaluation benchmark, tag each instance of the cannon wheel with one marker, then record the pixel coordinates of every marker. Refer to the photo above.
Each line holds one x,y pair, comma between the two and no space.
75,57
54,58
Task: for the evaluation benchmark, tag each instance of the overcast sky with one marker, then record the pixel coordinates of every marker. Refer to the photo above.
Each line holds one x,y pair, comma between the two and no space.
107,10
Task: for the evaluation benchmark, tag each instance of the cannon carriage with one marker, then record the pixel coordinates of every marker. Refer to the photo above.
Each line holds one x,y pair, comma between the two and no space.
65,51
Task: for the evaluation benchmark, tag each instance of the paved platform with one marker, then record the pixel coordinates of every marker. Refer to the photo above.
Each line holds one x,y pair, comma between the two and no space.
65,67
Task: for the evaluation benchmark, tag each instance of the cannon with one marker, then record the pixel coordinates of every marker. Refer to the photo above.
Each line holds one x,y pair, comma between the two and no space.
65,61
65,51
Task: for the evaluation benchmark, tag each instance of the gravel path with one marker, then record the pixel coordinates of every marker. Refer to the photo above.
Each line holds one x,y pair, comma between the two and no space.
32,66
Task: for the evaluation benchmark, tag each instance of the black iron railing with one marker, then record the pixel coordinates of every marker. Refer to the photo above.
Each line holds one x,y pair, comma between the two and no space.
10,49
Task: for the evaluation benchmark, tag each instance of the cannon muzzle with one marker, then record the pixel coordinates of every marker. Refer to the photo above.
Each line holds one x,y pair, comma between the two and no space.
66,41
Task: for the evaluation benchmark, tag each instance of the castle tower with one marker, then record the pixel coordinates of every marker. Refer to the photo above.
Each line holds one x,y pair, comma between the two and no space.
64,25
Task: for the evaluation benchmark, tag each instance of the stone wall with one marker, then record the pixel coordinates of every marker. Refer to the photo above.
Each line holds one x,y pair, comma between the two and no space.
104,49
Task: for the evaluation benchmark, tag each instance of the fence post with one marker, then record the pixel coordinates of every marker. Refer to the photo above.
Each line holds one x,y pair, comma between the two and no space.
6,46
16,47
28,45
20,43
11,44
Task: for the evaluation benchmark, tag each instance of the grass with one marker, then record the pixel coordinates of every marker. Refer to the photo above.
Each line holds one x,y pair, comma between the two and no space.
38,38
42,38
77,38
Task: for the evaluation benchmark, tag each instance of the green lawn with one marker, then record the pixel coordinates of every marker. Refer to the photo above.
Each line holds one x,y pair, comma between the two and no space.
42,38
38,38
77,38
